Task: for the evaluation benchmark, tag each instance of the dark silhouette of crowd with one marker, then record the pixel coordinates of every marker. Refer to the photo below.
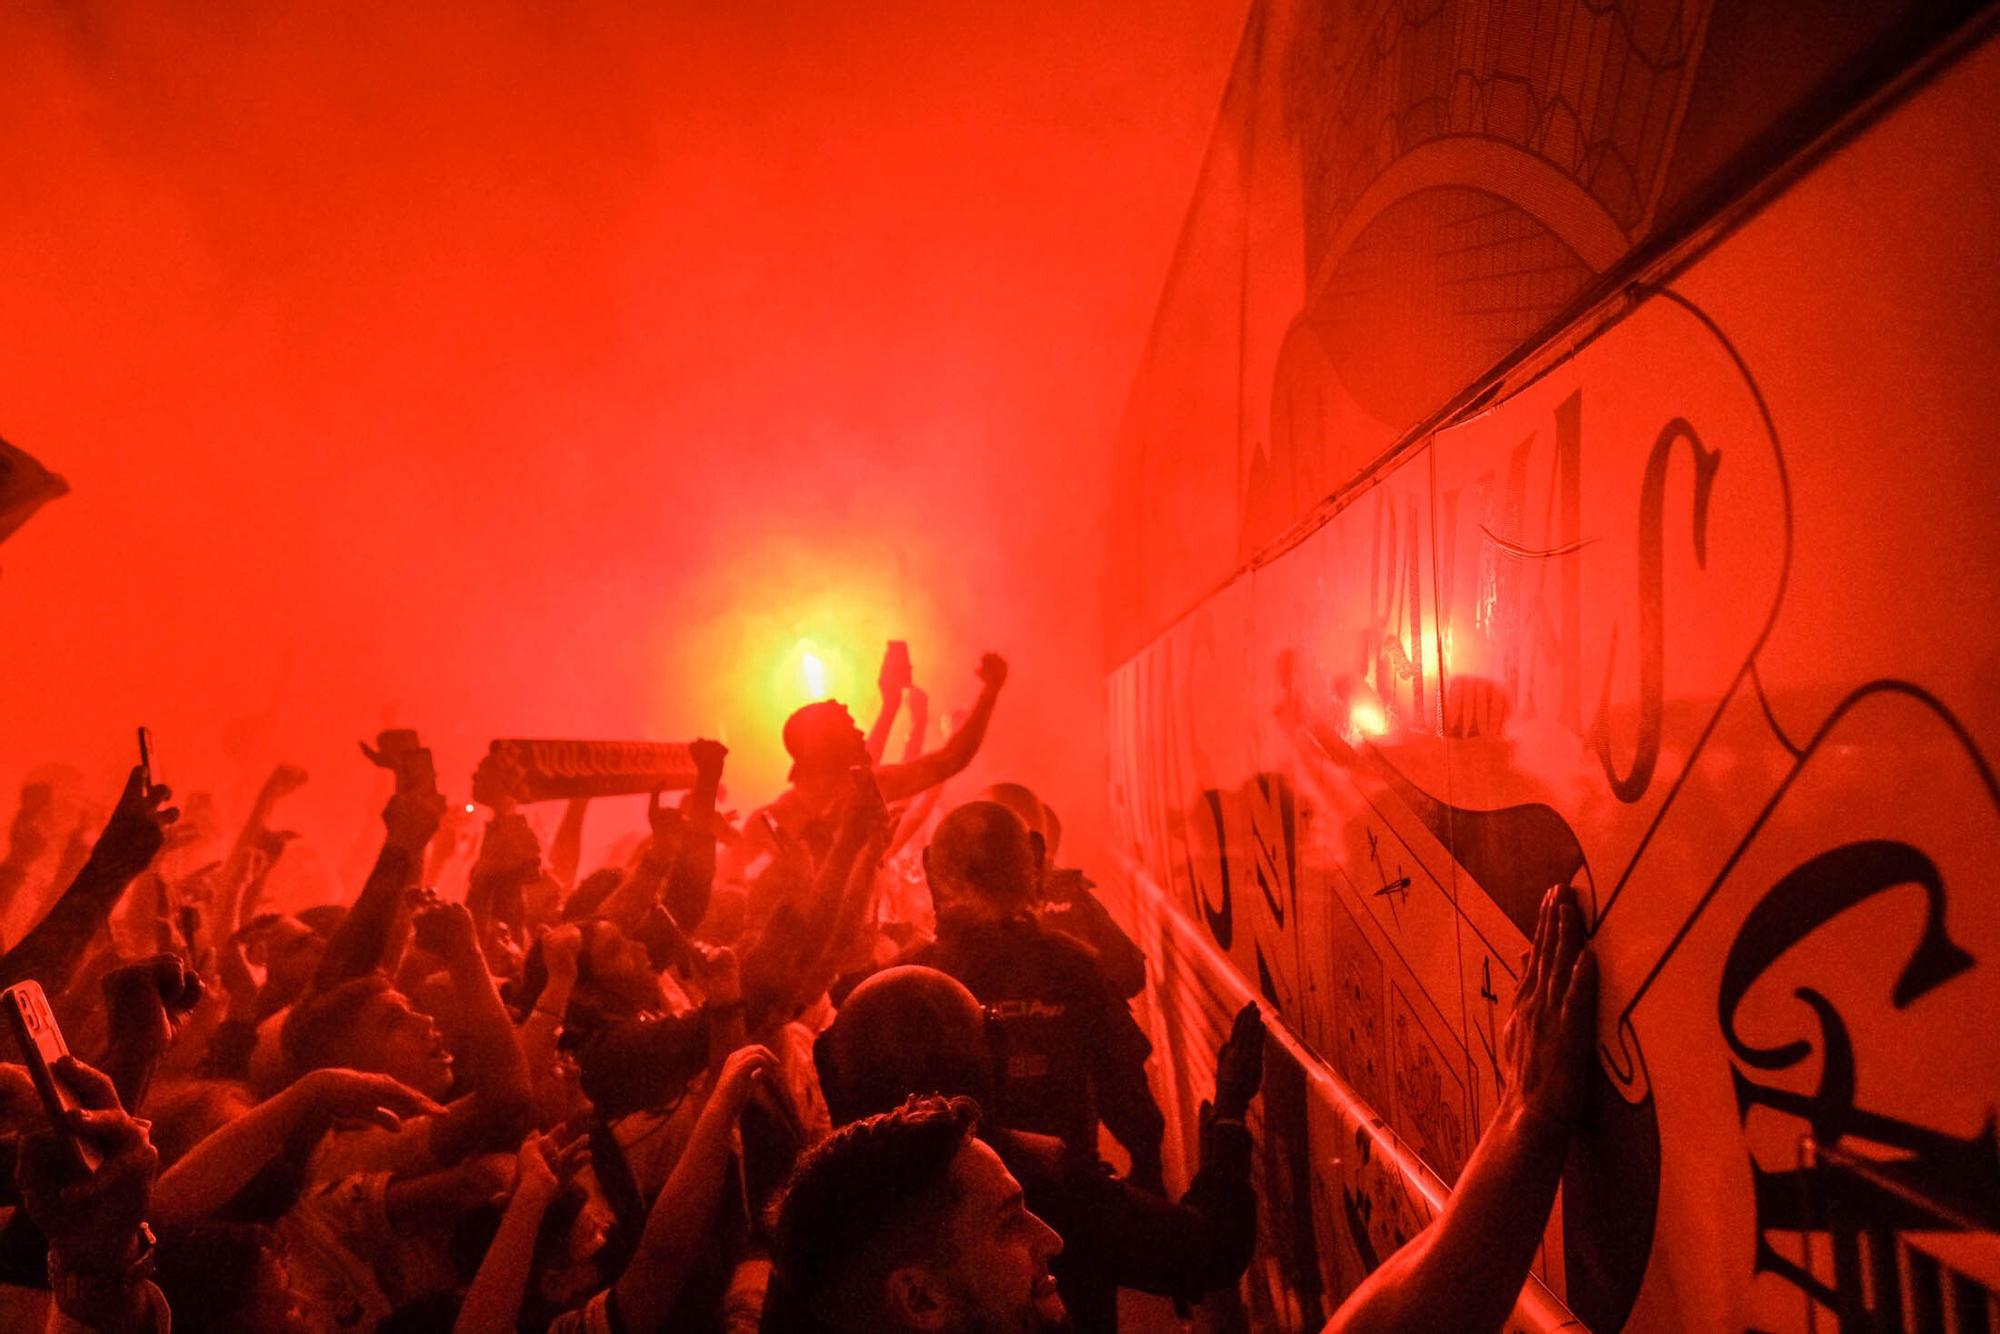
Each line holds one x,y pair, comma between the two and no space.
863,1060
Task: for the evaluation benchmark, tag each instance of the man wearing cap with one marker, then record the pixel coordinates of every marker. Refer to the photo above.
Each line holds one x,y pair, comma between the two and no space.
825,743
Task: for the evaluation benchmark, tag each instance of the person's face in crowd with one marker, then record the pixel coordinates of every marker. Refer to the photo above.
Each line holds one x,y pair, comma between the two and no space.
503,952
829,740
620,969
395,1039
997,1280
292,952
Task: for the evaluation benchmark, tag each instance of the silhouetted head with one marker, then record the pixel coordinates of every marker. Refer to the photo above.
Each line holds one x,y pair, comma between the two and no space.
907,1221
367,1024
1038,815
613,971
822,739
903,1032
982,863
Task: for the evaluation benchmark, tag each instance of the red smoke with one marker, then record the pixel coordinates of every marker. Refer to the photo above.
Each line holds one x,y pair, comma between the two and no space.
518,370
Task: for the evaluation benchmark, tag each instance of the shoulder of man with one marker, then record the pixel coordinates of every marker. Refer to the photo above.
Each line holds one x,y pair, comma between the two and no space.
1070,956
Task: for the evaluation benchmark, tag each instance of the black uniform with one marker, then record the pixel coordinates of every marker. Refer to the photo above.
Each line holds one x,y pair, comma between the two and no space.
1066,1050
1068,906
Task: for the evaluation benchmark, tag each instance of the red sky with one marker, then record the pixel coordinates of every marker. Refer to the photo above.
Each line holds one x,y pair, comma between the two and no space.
550,370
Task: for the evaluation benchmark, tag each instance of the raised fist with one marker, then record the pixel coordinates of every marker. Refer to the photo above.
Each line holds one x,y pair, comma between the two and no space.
412,819
289,778
993,671
708,757
148,1000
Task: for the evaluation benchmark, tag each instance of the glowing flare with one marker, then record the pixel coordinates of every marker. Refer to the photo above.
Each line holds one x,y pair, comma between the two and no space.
1368,718
815,674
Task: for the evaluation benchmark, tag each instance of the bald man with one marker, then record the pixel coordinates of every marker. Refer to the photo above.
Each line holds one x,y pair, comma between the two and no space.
1066,903
1066,1049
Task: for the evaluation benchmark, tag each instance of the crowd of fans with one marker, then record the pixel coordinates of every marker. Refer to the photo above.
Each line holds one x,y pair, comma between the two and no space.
842,1064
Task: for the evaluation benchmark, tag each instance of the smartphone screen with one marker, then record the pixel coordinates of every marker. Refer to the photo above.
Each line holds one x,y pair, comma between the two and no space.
42,1047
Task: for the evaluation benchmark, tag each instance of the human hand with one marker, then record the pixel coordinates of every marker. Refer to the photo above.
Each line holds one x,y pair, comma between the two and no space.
91,1219
1545,1046
722,977
561,948
895,676
289,778
510,850
1239,1064
412,818
741,1073
667,825
270,845
919,702
708,757
137,829
498,780
356,1095
20,1105
546,1161
484,1179
445,929
147,1001
992,671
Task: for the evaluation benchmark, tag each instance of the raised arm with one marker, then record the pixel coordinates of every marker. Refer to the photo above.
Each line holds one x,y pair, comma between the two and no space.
361,941
906,780
490,1056
682,1220
211,1174
493,1302
1466,1269
240,885
131,839
566,848
692,877
146,1003
510,859
892,680
1136,1238
561,948
797,955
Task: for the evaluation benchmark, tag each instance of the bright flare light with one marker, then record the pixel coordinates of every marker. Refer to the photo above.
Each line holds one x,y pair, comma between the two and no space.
814,672
1368,719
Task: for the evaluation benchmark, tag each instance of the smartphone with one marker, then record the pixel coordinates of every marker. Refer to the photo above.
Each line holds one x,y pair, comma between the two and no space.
897,659
146,755
42,1047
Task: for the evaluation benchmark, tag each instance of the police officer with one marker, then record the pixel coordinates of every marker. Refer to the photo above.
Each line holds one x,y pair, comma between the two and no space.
1066,1049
